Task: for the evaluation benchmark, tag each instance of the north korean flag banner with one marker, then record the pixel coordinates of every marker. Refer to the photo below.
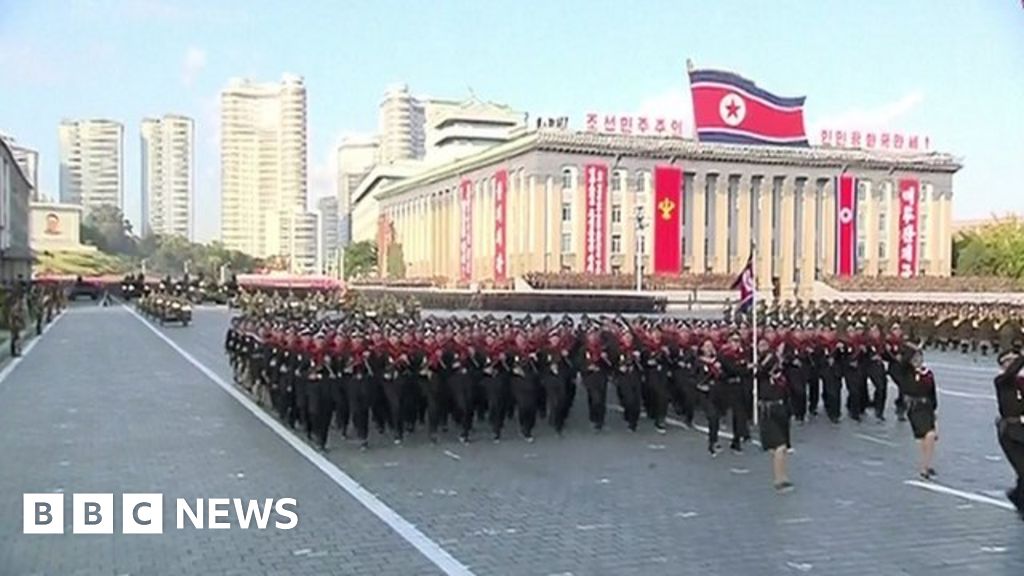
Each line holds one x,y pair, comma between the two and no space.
668,214
500,213
595,252
909,197
466,230
729,108
745,284
846,225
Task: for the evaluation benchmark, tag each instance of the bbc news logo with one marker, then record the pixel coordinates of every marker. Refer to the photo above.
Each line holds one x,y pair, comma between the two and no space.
144,513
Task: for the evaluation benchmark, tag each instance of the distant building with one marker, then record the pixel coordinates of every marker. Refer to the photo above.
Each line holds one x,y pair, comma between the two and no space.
569,200
303,236
92,163
400,124
168,175
365,212
357,155
327,209
27,159
456,129
263,164
15,192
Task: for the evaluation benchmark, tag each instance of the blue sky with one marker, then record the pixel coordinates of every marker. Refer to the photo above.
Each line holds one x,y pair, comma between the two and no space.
951,69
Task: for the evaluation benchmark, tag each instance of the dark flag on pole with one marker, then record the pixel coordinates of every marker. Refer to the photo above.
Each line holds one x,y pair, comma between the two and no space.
745,284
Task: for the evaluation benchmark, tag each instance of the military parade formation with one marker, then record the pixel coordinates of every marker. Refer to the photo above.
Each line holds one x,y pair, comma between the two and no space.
362,370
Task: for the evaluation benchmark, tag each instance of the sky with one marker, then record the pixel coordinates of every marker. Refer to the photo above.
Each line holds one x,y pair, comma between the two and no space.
948,69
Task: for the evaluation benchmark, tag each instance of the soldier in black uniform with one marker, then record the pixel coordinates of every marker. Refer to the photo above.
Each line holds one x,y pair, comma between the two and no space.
918,386
1010,424
773,409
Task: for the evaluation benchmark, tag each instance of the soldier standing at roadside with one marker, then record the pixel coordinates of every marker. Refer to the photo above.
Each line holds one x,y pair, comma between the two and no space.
16,318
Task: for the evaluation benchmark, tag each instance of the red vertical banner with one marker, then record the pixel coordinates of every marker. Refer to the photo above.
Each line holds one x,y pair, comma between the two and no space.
466,230
668,220
500,213
910,191
846,225
595,254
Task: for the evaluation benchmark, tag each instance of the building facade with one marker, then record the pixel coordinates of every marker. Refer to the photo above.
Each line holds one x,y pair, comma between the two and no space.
28,160
303,237
330,228
168,175
400,126
92,163
357,155
15,194
455,129
263,164
530,206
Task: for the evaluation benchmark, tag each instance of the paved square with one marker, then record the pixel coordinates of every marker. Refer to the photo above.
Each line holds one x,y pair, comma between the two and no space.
102,404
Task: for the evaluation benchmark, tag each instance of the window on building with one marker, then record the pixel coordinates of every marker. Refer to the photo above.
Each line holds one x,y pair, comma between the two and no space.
776,222
568,179
566,212
616,247
643,244
819,230
641,182
616,213
617,181
566,245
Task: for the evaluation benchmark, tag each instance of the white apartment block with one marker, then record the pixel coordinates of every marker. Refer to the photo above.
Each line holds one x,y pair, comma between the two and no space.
263,165
168,176
357,156
27,160
302,232
400,124
330,228
91,163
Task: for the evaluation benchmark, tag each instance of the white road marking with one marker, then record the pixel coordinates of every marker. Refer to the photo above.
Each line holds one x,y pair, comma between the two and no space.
28,348
430,549
452,455
972,496
702,429
870,438
960,394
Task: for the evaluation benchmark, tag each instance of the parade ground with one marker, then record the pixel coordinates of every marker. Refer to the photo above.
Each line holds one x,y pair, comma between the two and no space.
107,402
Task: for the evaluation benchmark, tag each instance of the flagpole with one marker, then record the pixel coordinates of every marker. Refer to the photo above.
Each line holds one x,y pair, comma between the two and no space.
753,331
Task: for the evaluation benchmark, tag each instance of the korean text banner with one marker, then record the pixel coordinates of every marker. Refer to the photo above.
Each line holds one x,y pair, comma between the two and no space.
500,214
466,230
595,251
910,191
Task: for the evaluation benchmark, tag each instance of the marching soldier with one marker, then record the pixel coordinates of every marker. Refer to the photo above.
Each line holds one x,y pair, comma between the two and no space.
16,318
919,391
773,409
1010,424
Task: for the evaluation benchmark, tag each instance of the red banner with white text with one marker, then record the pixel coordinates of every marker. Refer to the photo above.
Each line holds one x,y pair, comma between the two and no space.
466,230
910,191
595,252
500,213
668,219
846,225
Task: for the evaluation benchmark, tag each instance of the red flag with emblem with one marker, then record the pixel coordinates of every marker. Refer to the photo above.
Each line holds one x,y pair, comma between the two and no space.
668,210
846,225
500,213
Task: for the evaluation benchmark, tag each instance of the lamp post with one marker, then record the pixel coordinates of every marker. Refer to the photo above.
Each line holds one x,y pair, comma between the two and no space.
638,262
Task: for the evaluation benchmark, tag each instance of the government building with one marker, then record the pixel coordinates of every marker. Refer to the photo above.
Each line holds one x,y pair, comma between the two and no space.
555,200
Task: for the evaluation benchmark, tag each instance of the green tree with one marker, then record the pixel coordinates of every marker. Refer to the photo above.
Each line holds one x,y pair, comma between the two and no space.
361,259
996,249
106,228
396,261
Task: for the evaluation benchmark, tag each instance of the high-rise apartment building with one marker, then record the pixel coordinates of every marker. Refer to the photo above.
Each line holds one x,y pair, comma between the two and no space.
168,175
27,160
263,165
400,123
356,157
330,229
91,163
302,234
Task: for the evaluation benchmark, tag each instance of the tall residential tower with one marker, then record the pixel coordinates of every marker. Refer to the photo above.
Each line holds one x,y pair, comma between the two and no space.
263,166
91,163
168,174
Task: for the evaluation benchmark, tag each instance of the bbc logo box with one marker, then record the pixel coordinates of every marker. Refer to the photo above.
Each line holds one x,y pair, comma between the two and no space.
93,514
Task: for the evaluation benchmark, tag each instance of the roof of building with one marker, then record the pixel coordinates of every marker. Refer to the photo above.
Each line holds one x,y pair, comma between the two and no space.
17,167
612,145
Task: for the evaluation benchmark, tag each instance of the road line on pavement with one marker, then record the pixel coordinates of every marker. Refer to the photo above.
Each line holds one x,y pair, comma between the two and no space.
430,549
28,348
871,438
702,429
972,395
972,496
